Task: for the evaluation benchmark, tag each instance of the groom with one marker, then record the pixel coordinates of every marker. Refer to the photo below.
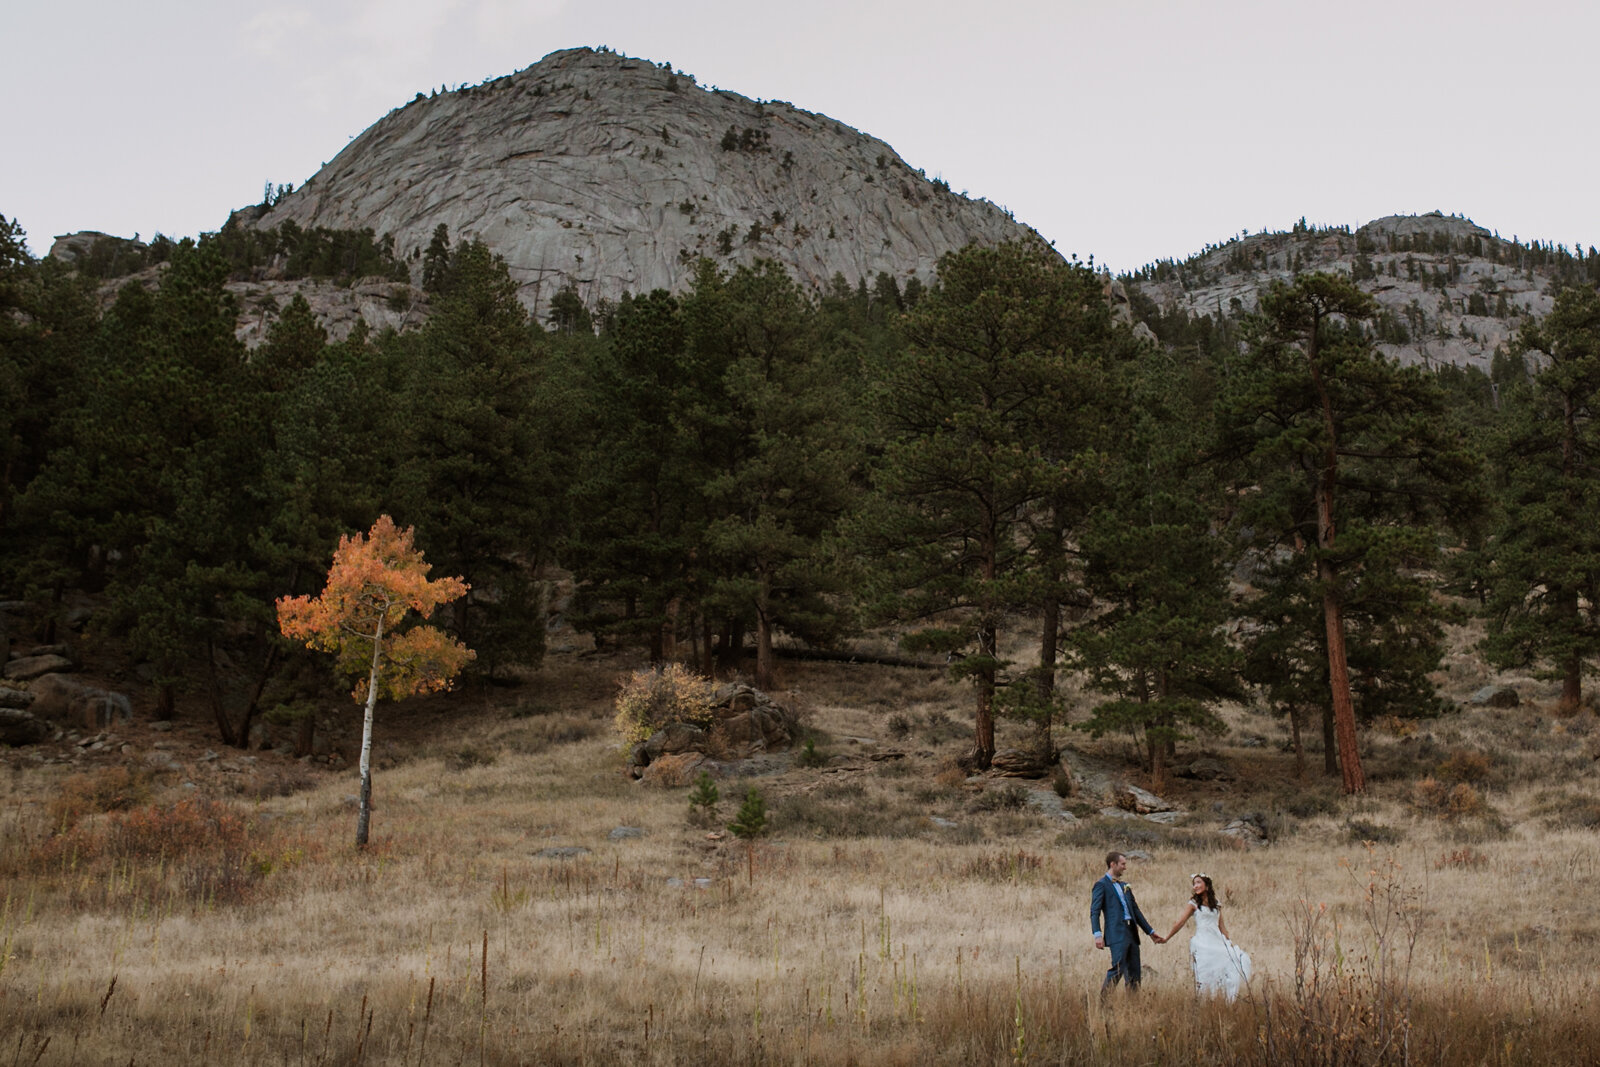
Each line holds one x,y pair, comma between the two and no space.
1123,920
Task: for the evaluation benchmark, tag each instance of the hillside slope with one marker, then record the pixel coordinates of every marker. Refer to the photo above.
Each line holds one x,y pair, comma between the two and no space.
1448,290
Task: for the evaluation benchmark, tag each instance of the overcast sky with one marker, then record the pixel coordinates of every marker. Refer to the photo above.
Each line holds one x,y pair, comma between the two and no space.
1129,130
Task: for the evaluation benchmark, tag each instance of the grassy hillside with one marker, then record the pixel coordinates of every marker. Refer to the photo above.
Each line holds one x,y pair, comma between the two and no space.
898,913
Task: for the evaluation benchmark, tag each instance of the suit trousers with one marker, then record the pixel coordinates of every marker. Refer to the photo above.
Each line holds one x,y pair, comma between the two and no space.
1124,961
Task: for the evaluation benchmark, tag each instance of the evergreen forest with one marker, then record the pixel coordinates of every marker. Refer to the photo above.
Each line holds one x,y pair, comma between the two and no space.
1274,512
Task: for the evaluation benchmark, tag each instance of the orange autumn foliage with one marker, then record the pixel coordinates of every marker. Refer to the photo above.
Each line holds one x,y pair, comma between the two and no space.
375,582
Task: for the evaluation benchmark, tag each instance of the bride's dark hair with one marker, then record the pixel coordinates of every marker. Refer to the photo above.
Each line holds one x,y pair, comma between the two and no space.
1208,899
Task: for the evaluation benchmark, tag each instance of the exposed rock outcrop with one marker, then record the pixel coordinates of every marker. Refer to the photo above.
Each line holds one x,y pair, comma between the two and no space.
70,700
1448,290
745,722
612,175
19,727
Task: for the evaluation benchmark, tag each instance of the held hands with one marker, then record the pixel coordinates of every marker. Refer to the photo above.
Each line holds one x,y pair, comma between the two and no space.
1158,939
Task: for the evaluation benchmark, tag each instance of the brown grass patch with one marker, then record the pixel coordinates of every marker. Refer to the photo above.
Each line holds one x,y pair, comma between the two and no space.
863,932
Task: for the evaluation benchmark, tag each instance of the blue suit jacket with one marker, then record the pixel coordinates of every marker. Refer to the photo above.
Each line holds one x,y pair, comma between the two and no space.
1105,914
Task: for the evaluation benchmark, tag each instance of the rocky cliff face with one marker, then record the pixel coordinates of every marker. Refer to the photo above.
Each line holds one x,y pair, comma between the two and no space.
1448,290
612,175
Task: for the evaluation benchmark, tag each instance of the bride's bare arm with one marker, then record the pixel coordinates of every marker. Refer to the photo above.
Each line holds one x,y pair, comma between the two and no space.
1222,926
1188,910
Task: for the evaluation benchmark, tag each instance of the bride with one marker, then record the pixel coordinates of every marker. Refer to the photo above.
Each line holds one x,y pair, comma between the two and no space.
1220,966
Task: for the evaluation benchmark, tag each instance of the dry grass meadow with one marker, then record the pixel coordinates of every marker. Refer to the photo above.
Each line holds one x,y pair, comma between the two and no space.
898,914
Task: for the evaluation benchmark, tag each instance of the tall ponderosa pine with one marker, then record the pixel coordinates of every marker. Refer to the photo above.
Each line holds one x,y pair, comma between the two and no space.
968,459
1158,644
1347,462
478,474
47,317
160,446
785,479
1544,579
637,514
718,461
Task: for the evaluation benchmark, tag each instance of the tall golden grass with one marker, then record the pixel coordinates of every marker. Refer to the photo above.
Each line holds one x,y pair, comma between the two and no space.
182,927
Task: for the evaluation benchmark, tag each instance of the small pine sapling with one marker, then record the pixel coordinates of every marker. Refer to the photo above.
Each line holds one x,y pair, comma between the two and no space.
749,825
751,821
703,799
808,755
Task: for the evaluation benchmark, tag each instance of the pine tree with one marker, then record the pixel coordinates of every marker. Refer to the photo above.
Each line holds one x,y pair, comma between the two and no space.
479,474
1544,602
703,801
751,820
972,419
1158,648
436,260
1345,460
637,513
790,446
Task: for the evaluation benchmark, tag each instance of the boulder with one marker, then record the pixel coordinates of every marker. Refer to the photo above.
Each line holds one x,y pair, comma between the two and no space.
1246,831
673,738
14,698
72,700
736,697
26,668
1142,802
1020,763
19,727
1117,813
674,770
1495,696
1206,769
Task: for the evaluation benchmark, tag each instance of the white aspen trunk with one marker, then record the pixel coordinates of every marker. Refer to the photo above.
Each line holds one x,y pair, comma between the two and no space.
364,818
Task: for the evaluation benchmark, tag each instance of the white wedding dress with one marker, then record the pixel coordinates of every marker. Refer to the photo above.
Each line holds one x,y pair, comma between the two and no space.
1220,966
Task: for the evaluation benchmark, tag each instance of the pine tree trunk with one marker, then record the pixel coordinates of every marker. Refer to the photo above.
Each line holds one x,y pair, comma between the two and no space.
983,720
219,711
1344,713
1045,677
1330,744
731,650
763,679
1571,686
669,630
1344,710
1299,745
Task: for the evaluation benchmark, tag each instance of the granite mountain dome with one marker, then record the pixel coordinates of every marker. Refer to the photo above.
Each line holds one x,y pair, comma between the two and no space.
613,175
